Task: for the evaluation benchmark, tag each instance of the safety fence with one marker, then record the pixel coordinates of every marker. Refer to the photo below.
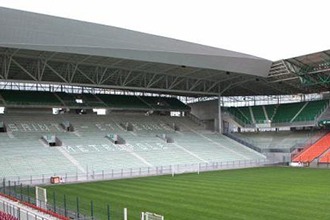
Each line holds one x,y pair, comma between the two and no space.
20,202
93,175
22,188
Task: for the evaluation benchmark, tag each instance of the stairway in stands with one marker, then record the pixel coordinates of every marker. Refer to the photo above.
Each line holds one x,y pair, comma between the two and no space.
314,151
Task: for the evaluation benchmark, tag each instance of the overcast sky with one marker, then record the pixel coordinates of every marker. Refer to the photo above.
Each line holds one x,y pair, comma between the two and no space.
271,29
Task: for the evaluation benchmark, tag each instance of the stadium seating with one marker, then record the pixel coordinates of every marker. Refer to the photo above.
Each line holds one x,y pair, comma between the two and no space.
62,99
15,97
258,113
176,104
89,100
314,151
271,110
282,113
325,158
69,99
286,112
87,148
92,100
164,103
119,101
241,113
281,140
311,111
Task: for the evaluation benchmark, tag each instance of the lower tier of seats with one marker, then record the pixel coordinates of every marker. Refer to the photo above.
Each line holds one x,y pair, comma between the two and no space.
24,154
314,151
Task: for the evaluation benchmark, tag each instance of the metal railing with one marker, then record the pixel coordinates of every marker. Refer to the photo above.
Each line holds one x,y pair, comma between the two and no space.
19,211
96,175
22,188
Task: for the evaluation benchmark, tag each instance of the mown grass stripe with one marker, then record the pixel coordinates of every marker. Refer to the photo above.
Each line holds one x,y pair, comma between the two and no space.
257,193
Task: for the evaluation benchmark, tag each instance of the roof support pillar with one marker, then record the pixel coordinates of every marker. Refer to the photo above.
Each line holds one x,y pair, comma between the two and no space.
219,119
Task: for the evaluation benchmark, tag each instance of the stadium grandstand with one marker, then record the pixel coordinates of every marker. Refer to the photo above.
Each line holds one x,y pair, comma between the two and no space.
82,102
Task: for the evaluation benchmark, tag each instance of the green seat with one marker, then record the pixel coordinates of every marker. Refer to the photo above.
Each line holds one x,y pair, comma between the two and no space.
259,114
121,101
286,112
16,97
164,103
312,111
241,113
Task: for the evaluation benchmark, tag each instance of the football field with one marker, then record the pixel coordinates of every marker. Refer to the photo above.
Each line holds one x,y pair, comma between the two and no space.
256,193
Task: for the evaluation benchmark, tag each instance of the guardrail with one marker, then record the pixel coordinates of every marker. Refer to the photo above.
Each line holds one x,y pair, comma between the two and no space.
21,187
93,175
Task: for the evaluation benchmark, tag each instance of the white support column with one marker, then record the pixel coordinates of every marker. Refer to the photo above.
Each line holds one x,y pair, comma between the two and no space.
219,115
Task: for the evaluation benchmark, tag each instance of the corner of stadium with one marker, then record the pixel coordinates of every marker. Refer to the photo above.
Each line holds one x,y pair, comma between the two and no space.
82,103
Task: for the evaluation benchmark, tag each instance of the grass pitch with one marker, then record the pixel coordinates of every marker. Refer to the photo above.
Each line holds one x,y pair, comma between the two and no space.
257,193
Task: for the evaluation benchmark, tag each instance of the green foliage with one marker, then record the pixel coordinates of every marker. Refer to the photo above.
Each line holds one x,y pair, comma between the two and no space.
258,193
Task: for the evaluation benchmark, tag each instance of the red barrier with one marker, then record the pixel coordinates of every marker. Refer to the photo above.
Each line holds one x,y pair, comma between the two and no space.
48,212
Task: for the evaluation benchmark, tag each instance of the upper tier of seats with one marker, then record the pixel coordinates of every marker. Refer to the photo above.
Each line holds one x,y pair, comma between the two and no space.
286,112
164,103
270,111
282,113
29,98
61,99
314,151
258,113
311,110
242,114
119,101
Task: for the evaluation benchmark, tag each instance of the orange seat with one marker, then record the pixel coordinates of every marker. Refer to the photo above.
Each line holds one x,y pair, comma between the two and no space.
314,151
325,158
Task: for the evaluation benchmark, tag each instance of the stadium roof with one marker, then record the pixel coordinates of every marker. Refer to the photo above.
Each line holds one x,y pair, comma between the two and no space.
307,73
46,49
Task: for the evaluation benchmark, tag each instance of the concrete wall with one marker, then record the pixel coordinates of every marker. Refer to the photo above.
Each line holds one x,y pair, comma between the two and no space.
207,110
279,157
